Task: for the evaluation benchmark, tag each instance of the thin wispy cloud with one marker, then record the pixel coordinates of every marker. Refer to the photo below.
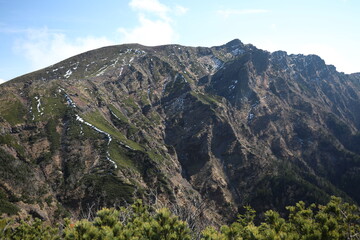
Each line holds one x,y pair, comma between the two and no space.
43,47
155,23
232,12
13,30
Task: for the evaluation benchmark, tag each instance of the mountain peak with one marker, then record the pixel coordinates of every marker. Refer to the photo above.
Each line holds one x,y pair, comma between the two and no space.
235,43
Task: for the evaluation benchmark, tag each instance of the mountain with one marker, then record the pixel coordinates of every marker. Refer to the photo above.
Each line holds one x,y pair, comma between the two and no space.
204,130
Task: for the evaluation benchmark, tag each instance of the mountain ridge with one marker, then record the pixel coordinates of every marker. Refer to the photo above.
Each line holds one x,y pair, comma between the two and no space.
218,127
233,43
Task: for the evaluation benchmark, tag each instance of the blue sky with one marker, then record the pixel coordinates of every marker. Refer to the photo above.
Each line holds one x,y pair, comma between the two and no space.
37,33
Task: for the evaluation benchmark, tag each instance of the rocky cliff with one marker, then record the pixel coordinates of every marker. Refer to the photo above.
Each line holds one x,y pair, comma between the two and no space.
198,128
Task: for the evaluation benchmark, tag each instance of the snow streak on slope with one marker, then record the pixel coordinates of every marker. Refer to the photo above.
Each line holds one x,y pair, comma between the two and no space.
80,119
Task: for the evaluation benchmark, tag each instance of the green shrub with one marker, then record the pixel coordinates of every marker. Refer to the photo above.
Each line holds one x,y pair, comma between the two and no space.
336,220
135,222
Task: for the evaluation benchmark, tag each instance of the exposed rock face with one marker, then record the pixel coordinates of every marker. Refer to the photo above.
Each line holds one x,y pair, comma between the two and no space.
226,126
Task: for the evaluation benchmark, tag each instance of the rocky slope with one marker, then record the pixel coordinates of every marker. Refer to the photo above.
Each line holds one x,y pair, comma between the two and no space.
199,128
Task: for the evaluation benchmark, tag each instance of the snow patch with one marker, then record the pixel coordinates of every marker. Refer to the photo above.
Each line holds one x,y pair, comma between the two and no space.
69,101
138,51
126,146
38,104
251,116
231,87
68,73
77,64
116,61
121,70
217,63
33,116
38,108
112,113
237,51
101,70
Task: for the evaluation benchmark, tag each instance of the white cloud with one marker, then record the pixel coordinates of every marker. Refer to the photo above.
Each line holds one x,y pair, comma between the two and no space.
230,12
43,47
180,10
2,80
273,26
150,32
154,29
152,6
